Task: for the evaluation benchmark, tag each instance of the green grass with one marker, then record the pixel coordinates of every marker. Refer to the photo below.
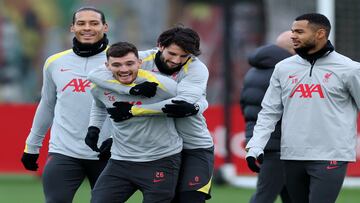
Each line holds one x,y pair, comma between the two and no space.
20,188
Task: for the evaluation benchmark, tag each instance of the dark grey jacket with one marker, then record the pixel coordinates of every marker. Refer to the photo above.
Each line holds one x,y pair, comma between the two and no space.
256,82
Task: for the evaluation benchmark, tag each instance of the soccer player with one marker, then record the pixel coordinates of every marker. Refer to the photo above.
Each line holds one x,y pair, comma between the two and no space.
316,92
65,107
175,57
146,151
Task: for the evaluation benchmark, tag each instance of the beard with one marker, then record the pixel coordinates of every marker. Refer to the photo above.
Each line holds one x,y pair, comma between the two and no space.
163,67
305,48
164,62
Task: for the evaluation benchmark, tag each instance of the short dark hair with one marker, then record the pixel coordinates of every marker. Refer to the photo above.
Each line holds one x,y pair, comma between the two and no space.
318,20
185,38
89,9
121,49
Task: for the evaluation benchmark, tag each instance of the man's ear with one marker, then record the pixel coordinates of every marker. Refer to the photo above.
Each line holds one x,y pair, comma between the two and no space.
72,28
107,65
106,27
161,48
321,33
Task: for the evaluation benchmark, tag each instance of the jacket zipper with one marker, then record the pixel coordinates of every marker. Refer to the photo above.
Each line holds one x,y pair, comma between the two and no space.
312,66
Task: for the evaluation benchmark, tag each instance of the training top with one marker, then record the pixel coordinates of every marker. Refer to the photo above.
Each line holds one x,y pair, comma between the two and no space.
191,87
138,138
319,108
65,106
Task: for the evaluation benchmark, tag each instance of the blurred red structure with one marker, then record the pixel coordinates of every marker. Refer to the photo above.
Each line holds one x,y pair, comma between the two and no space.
16,120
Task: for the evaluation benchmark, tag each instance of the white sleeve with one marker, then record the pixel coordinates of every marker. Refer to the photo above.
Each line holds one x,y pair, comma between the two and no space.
353,84
44,114
98,114
270,114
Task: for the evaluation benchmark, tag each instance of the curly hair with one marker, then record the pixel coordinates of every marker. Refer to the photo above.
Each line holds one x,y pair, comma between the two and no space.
185,38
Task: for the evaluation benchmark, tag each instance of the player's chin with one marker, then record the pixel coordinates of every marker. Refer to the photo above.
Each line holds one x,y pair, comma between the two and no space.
127,80
88,40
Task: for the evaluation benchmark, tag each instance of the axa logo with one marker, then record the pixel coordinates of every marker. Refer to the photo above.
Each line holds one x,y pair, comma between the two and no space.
77,85
307,90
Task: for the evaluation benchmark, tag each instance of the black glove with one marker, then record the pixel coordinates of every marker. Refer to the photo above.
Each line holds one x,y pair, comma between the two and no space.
180,109
29,161
121,111
147,89
105,149
251,162
92,138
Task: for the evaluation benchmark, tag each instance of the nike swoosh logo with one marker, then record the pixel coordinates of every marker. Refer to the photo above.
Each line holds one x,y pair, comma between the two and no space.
158,180
331,167
65,69
107,93
292,76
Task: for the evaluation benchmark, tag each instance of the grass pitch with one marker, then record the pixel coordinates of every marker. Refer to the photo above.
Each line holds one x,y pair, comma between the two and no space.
26,188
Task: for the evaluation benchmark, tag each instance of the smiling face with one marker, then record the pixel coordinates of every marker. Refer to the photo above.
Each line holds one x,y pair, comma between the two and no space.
88,27
124,69
173,56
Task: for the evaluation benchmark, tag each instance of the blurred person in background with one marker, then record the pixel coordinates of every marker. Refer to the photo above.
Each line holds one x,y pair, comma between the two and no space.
176,58
146,154
271,178
65,107
316,94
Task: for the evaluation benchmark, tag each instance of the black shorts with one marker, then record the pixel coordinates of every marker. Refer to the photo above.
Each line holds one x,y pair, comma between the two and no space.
155,179
196,172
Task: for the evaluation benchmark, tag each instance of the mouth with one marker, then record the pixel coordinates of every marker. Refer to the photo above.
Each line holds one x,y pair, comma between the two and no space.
124,75
296,43
87,35
172,65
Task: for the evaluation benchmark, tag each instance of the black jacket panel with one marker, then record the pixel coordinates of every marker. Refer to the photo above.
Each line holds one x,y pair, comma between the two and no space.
256,82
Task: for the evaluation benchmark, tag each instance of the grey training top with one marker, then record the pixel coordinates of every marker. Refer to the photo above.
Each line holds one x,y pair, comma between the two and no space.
65,106
319,110
138,138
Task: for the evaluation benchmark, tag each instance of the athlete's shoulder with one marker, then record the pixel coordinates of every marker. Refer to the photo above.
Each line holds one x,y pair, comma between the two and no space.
336,57
56,57
195,66
148,55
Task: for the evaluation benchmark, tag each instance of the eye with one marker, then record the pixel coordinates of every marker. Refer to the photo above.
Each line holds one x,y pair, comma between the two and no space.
80,23
130,63
94,23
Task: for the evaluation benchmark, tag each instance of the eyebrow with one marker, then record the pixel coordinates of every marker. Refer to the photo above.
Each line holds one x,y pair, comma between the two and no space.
183,55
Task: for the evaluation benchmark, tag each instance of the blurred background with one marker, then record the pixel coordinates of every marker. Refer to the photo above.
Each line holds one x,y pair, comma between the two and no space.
32,30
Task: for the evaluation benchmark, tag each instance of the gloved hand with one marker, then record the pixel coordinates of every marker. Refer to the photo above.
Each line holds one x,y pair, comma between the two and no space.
105,149
180,109
255,154
92,138
147,89
29,161
121,111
